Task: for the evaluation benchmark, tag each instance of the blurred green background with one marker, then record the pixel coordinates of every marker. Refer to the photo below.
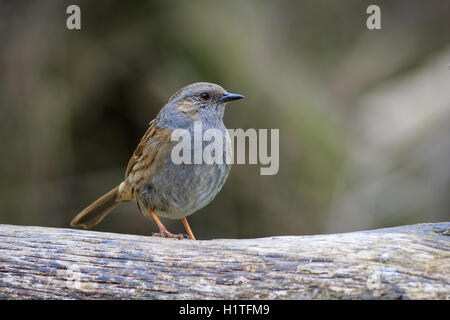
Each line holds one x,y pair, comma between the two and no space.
364,116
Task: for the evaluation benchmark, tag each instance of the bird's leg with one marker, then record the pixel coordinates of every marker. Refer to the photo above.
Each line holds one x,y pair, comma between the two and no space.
163,232
188,229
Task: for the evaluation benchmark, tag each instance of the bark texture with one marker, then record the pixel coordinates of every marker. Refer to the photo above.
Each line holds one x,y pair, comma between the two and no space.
408,262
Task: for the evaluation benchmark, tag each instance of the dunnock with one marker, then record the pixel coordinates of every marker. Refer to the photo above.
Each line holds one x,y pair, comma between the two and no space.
158,185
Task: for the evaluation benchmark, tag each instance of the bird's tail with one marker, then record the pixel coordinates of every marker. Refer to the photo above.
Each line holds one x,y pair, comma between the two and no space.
97,210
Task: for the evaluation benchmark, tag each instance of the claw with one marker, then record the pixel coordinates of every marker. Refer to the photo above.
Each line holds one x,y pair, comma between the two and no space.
167,234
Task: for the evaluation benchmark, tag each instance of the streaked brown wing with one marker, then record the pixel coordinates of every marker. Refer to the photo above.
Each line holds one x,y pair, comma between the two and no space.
154,147
140,148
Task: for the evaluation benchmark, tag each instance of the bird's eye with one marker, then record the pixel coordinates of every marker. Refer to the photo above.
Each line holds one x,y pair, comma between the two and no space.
204,96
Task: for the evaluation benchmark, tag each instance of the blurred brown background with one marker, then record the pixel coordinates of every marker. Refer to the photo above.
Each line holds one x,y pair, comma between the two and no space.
364,116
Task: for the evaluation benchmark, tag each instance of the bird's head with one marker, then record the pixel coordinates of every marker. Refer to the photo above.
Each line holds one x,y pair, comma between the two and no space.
201,101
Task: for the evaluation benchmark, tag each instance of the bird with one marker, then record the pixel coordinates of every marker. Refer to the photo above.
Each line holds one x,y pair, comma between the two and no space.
160,186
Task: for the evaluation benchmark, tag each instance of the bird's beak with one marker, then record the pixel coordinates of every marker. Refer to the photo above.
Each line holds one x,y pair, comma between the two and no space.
230,97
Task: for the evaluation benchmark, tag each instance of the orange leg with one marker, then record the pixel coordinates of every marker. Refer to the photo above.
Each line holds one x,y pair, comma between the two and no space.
163,232
188,229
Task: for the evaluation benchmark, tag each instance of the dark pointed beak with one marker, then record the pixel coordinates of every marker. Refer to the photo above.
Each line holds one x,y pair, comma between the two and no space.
230,97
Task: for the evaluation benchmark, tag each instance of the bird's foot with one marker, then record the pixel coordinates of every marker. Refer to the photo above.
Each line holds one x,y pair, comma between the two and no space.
167,234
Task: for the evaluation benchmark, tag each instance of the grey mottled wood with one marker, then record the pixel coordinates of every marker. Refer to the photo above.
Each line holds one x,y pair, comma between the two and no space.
409,262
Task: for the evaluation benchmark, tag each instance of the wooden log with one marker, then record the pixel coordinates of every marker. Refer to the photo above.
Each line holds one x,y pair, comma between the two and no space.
408,262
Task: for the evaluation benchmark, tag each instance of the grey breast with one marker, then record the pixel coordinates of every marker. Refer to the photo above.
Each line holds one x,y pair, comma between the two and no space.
180,190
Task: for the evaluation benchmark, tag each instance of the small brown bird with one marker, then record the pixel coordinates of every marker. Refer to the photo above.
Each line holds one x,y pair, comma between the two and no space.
158,185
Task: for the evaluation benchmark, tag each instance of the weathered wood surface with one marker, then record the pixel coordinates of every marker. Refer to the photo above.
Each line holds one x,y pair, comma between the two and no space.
410,262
